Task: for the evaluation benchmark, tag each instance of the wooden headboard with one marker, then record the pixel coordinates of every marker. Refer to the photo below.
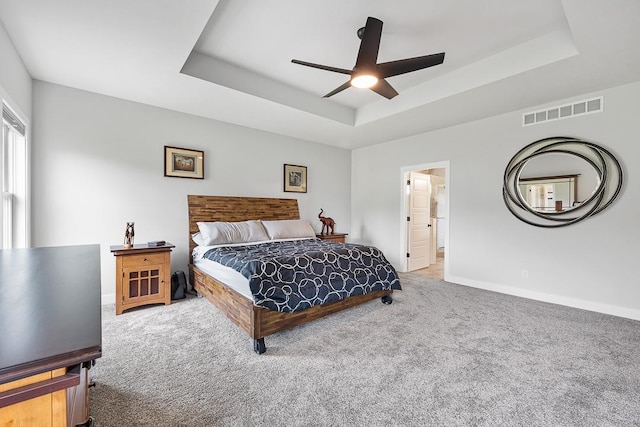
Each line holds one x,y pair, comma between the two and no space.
233,209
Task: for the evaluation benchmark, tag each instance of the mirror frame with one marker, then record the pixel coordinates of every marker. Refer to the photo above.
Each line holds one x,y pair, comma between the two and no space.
607,167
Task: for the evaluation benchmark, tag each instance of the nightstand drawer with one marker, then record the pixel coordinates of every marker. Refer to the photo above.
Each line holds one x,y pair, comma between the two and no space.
143,260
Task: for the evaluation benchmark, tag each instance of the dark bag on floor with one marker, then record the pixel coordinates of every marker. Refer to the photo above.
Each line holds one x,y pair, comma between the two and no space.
178,285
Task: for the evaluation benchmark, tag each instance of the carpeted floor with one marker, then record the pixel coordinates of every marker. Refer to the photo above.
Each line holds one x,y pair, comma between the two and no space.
441,355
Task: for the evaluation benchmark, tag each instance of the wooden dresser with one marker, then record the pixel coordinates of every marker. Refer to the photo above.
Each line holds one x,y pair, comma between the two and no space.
143,275
50,334
335,237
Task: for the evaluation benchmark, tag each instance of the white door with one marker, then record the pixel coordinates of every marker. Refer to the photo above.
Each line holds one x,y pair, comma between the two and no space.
419,221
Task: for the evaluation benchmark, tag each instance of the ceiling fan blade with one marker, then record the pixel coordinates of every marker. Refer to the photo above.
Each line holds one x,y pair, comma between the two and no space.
322,67
384,88
368,53
402,66
338,89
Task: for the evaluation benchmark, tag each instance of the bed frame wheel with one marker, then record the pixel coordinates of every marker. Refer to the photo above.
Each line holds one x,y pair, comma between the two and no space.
387,299
258,346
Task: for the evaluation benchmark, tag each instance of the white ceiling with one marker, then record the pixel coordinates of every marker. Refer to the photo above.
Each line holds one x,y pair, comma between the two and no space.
231,60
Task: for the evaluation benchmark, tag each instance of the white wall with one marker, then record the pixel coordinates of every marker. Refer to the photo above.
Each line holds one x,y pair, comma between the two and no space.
16,91
587,265
15,81
98,163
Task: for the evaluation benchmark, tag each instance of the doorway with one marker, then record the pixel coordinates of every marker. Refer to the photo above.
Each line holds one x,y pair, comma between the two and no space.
424,216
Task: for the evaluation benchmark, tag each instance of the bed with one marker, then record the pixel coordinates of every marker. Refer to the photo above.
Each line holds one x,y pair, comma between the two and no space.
258,322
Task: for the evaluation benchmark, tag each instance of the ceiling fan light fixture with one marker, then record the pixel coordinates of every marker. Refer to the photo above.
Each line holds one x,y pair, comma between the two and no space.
368,73
364,81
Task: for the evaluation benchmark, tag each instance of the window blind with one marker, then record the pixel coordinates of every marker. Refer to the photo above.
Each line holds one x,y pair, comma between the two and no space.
13,120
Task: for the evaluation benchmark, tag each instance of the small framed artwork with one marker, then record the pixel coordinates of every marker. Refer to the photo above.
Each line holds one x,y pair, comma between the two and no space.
295,179
183,163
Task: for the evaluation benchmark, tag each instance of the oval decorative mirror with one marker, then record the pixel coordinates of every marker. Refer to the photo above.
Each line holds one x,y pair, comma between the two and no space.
558,181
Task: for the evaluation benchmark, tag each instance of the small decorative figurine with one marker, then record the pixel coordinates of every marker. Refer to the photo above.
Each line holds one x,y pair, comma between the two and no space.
128,235
327,222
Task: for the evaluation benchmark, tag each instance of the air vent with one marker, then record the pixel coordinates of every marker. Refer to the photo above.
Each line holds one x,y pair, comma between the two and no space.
578,108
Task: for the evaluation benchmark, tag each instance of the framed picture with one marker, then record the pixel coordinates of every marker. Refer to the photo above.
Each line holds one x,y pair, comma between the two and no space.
183,163
295,179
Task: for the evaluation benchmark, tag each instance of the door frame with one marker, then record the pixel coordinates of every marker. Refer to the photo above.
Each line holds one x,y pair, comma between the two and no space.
404,207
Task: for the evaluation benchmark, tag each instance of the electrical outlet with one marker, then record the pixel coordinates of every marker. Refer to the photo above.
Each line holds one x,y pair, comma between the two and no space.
525,274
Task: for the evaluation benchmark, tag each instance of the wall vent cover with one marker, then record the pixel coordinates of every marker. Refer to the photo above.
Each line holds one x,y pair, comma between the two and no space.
587,106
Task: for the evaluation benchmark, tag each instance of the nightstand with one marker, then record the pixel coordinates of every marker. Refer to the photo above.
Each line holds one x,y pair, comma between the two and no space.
142,275
335,237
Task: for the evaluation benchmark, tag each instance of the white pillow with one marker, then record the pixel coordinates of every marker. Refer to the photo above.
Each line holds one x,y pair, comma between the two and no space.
216,233
198,239
289,229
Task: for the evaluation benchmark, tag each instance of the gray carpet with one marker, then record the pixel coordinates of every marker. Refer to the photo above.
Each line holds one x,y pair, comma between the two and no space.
441,354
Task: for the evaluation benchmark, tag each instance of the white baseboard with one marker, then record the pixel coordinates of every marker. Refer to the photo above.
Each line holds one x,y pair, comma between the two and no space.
554,299
108,299
518,292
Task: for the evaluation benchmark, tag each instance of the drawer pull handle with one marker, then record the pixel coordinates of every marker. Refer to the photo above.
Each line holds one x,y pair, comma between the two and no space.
144,259
31,391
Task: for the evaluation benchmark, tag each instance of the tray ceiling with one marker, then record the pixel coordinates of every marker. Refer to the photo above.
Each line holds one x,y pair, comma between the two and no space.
231,60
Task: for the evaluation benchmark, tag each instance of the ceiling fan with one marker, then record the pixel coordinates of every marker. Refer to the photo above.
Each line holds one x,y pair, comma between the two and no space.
367,73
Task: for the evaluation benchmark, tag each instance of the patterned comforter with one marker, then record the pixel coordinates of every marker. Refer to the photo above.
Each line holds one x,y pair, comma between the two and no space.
290,276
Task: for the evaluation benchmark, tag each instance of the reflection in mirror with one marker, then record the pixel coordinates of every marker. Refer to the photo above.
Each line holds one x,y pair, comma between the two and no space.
549,193
549,182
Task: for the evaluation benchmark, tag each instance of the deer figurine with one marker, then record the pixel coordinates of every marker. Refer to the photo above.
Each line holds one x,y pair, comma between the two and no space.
327,223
